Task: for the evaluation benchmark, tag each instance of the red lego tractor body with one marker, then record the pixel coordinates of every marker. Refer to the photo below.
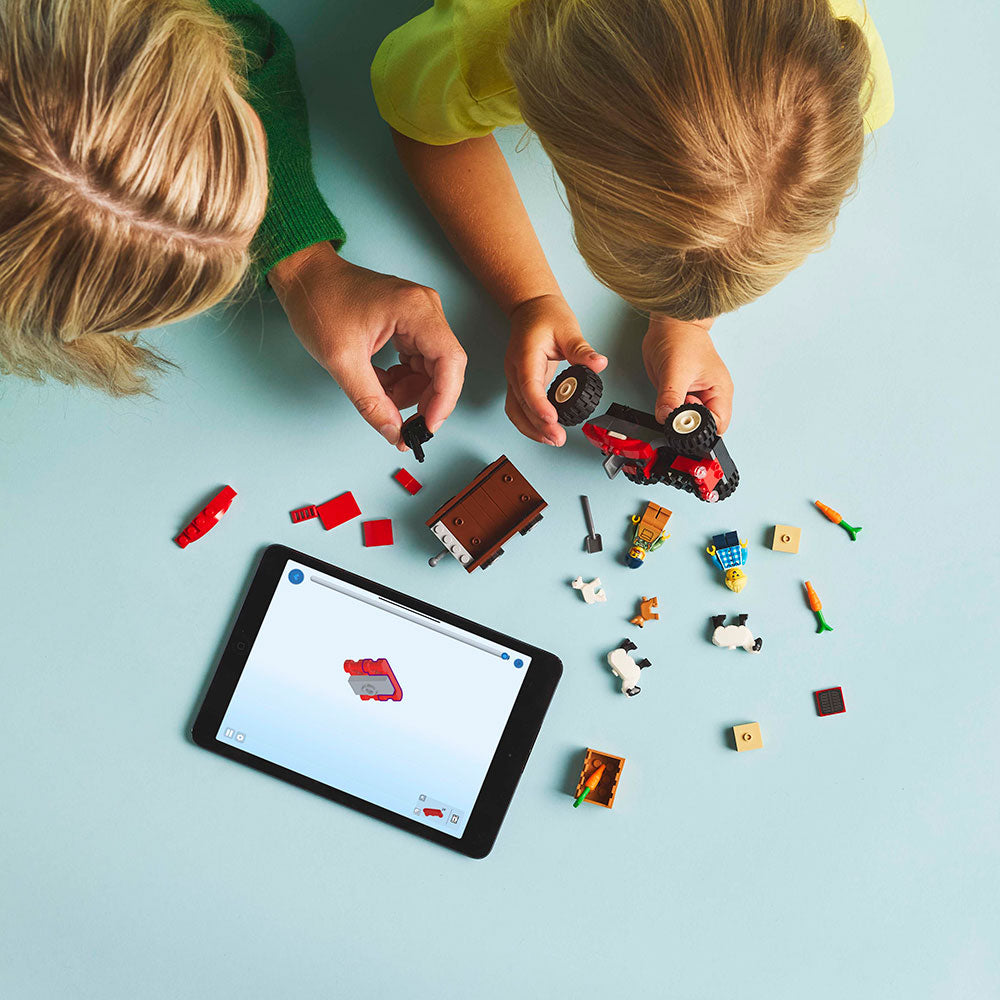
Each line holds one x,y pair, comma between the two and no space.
685,451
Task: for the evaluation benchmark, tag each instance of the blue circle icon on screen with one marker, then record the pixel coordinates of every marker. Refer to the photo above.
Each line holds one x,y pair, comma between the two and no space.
296,576
519,663
505,656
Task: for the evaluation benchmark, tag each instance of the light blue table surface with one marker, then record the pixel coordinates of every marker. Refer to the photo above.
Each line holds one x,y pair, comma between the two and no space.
852,857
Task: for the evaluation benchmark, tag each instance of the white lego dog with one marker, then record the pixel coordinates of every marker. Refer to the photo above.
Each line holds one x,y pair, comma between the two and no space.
625,668
731,636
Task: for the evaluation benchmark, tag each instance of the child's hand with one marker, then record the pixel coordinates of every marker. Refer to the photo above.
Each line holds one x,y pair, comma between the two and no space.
683,365
343,314
543,332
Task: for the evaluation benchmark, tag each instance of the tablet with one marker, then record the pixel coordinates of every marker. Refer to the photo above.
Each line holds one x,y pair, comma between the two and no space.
377,700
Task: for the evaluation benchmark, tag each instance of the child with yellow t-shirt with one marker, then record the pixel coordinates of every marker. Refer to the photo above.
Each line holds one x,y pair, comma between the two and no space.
705,147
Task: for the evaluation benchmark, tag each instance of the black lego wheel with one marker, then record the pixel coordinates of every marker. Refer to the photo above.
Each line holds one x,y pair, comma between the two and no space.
728,488
635,477
575,394
690,430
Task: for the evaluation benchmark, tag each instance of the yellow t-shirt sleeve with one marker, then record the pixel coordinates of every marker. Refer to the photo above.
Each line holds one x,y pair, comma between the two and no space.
879,85
440,78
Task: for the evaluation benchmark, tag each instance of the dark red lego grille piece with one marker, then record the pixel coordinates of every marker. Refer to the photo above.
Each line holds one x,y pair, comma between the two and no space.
830,701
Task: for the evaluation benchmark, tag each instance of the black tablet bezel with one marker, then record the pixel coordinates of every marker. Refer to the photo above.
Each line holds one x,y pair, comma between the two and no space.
512,752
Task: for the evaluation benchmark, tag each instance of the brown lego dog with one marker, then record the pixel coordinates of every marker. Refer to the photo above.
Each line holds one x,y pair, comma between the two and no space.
646,612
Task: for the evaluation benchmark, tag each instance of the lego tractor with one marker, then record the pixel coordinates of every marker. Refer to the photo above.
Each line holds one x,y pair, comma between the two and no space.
685,451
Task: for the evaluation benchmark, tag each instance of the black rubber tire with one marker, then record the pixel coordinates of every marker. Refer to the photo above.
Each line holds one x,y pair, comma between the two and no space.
530,525
634,477
728,488
583,399
698,442
492,559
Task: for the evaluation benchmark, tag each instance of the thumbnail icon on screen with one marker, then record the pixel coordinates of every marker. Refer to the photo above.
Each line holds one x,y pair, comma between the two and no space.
296,576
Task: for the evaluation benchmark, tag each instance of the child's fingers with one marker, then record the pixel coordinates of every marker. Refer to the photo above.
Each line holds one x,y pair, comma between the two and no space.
577,351
355,375
527,368
672,391
719,399
515,412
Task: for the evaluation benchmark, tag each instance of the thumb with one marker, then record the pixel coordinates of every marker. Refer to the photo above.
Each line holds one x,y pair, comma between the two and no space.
577,351
672,390
357,378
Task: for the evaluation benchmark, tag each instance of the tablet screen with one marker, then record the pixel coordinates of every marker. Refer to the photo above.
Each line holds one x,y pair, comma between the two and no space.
360,693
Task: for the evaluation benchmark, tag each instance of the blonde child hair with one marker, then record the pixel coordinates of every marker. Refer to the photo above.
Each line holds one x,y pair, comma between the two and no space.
133,176
705,145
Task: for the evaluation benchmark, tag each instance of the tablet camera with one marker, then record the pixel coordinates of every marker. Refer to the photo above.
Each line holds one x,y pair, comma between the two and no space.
296,576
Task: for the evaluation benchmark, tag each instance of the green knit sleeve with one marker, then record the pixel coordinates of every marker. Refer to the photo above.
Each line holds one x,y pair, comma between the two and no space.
297,215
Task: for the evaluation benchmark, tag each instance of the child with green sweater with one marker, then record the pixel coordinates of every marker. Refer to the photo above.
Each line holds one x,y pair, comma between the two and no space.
153,155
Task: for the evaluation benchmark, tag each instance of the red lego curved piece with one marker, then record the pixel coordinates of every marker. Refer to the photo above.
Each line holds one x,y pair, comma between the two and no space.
375,668
707,473
207,519
612,443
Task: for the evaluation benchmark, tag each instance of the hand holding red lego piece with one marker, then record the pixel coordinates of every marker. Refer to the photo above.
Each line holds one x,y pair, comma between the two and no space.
344,314
684,366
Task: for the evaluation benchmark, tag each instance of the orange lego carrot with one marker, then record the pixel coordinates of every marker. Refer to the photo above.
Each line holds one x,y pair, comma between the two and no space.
816,606
590,784
834,515
831,514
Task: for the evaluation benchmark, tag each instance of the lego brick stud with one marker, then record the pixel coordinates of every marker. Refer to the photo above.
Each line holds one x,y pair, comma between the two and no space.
747,736
786,538
829,701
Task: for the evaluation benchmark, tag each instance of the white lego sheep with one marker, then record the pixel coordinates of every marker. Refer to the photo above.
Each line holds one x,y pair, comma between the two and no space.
593,592
731,636
625,668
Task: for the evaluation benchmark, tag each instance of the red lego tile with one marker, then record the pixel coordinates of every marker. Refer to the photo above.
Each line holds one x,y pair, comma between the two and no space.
338,510
407,482
378,532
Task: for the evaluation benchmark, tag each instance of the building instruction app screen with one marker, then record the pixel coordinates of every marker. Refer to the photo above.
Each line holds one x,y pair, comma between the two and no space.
357,692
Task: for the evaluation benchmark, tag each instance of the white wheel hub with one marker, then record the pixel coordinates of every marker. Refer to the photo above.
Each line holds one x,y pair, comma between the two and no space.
566,390
687,422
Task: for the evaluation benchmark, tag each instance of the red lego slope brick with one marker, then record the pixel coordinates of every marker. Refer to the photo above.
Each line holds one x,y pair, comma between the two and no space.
408,482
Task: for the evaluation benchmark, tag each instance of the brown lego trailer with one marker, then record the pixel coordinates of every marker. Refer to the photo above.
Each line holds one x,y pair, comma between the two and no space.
475,523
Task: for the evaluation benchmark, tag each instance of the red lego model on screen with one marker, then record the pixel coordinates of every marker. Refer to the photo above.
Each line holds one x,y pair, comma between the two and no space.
373,680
